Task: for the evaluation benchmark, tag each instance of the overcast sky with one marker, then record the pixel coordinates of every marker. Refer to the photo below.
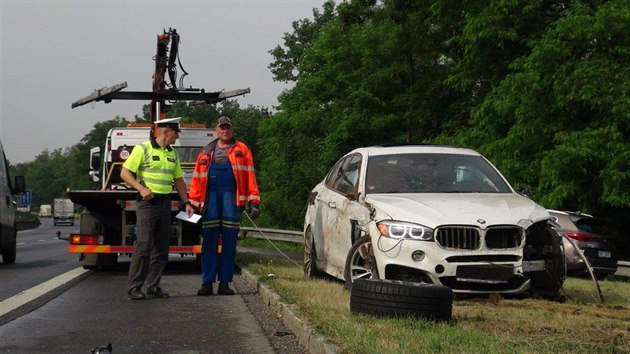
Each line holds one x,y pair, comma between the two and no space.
55,52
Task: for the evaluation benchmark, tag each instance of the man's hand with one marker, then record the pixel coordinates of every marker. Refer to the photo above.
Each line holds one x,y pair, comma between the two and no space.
253,211
189,209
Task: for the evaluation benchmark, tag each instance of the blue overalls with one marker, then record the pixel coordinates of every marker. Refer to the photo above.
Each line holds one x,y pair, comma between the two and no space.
222,220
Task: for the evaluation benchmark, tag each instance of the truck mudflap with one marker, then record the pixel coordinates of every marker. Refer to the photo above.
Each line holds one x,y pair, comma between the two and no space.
128,249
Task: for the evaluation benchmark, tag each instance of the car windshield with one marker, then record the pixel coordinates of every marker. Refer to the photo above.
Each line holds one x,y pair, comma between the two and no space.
187,153
432,173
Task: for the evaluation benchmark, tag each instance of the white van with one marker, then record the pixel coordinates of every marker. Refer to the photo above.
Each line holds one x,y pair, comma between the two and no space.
8,219
45,211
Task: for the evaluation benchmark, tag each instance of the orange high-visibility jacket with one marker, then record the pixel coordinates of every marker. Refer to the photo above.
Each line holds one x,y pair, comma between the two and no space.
243,167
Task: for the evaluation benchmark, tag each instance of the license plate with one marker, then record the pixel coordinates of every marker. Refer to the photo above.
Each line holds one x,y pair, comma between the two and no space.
603,254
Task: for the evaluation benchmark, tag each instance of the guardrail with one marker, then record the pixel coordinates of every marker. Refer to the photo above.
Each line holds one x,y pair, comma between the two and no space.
298,237
272,234
623,268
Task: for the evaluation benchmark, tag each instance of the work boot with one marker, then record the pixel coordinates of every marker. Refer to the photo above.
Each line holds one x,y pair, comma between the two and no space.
135,294
206,290
157,293
224,289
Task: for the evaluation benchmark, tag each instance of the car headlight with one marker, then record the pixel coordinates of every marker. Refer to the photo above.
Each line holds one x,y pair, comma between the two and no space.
404,230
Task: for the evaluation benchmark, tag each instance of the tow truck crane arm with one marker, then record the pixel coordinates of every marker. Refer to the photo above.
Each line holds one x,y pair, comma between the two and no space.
162,92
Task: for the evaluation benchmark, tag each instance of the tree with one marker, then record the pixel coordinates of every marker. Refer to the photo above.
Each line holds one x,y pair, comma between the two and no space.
371,75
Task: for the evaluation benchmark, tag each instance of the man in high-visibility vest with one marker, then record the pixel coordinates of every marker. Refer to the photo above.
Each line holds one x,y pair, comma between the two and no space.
151,169
223,183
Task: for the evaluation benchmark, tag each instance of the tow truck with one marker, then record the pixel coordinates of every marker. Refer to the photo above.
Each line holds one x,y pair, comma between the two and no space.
108,221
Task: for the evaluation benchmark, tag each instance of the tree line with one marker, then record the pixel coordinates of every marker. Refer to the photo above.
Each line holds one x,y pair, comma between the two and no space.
541,88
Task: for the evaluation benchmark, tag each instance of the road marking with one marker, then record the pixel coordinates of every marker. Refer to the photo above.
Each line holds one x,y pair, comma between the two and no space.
33,293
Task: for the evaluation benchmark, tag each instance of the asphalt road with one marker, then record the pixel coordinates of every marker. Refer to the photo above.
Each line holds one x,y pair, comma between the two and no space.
40,256
93,311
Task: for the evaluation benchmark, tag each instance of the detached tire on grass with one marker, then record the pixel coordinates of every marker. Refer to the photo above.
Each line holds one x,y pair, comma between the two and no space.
395,298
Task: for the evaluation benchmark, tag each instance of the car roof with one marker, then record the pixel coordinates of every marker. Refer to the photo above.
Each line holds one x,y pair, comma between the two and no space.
570,213
414,149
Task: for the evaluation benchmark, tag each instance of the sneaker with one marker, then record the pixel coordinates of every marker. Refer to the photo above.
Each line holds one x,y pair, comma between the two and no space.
224,289
157,293
205,290
135,294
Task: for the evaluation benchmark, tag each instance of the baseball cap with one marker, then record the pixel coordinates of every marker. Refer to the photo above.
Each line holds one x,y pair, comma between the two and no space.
224,120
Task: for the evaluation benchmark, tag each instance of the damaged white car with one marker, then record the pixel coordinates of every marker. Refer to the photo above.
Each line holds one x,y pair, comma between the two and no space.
432,214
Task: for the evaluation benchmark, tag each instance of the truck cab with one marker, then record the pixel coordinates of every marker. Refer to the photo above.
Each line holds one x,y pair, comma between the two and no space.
120,143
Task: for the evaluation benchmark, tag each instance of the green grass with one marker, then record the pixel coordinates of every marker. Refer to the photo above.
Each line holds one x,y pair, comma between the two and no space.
26,216
491,324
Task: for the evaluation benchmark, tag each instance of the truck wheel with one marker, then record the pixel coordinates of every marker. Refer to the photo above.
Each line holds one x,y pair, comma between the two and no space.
360,262
9,254
396,298
198,261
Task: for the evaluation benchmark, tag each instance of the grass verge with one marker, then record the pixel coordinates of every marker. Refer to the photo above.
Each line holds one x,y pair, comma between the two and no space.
491,324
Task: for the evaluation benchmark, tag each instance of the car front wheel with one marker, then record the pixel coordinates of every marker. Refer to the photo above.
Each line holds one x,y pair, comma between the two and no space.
360,262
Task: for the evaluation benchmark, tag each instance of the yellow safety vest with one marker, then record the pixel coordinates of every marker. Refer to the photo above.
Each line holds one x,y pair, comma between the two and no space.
154,166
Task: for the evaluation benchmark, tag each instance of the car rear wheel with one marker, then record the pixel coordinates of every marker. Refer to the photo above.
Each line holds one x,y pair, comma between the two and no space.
360,262
310,258
393,298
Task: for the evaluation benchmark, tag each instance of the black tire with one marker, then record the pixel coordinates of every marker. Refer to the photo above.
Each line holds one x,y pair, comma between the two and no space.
198,261
396,298
360,262
548,284
310,258
9,254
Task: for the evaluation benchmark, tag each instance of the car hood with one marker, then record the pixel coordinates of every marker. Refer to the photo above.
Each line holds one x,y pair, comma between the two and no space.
481,209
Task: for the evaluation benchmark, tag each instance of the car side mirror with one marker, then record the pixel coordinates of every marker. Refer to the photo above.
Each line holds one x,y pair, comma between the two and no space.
353,195
524,190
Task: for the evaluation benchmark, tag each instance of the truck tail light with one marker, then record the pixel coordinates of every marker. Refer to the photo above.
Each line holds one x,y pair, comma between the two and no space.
78,239
581,237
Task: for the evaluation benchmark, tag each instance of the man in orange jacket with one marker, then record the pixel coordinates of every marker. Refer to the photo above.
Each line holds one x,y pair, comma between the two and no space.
223,184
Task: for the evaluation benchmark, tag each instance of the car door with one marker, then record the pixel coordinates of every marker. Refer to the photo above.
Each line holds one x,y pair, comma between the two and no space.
339,209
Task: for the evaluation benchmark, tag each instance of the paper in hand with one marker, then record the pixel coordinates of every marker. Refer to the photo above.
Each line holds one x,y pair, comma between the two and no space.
194,218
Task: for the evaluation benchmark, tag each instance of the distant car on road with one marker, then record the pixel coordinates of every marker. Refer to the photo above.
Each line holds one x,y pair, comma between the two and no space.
432,214
591,235
45,211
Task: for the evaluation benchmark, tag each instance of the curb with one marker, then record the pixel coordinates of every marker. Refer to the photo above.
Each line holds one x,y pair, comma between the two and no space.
304,331
26,301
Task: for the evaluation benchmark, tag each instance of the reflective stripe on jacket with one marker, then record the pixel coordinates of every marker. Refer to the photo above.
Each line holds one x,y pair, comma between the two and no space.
154,166
243,167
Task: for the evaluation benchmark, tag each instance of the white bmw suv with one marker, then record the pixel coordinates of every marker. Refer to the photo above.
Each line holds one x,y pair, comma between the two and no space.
432,214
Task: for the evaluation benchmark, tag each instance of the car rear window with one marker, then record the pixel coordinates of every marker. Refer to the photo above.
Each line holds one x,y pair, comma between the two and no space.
594,226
